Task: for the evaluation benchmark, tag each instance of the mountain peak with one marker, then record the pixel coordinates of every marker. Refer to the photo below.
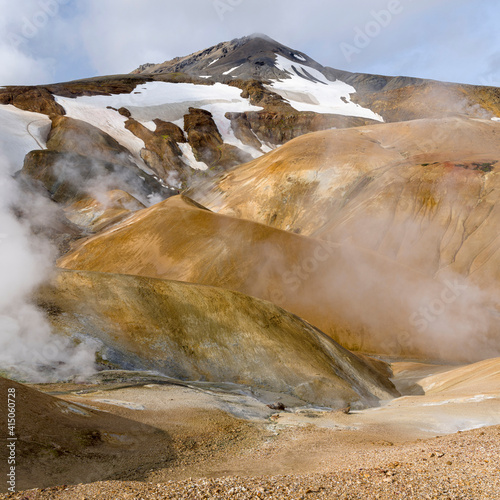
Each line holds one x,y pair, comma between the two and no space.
250,57
261,36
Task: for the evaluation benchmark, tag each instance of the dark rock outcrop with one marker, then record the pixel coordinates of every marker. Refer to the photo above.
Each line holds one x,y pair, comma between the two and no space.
82,159
34,99
169,131
242,129
206,141
278,127
69,135
162,154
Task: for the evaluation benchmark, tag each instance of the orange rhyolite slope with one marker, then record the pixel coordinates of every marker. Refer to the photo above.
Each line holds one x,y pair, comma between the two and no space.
361,299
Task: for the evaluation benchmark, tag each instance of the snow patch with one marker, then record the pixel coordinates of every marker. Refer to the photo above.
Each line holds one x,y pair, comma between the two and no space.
309,90
180,124
496,119
205,76
299,57
21,132
151,125
166,101
213,62
189,159
94,110
231,70
163,100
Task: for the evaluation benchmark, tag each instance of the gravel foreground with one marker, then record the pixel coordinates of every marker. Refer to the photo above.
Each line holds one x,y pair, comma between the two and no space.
465,465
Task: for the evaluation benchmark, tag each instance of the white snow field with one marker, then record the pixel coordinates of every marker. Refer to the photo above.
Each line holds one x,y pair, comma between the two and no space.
171,101
93,110
21,132
166,101
321,96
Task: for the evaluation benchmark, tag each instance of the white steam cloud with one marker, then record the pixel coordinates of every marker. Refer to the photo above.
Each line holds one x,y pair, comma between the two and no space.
28,349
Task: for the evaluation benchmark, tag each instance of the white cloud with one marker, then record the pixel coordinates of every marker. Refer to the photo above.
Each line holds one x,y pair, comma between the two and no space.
443,39
25,26
18,68
137,32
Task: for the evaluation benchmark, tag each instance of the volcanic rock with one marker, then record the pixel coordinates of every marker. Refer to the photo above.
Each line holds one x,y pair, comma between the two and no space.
94,215
340,288
193,332
207,143
161,154
35,99
63,442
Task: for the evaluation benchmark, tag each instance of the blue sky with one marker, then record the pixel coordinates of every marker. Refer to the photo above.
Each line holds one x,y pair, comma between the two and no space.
44,41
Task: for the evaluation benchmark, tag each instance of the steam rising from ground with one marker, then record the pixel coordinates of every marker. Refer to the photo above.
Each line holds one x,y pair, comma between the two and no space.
96,178
392,292
425,302
399,267
409,313
374,304
28,349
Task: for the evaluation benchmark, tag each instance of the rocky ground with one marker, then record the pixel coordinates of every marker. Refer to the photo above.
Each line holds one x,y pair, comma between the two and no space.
228,444
459,466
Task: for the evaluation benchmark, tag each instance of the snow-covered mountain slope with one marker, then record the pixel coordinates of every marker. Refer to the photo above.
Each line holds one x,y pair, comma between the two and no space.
165,101
294,77
259,95
307,89
300,80
258,57
250,57
247,119
254,57
21,132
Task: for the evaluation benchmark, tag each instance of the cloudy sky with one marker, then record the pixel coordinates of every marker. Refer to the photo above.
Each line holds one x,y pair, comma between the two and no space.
43,41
